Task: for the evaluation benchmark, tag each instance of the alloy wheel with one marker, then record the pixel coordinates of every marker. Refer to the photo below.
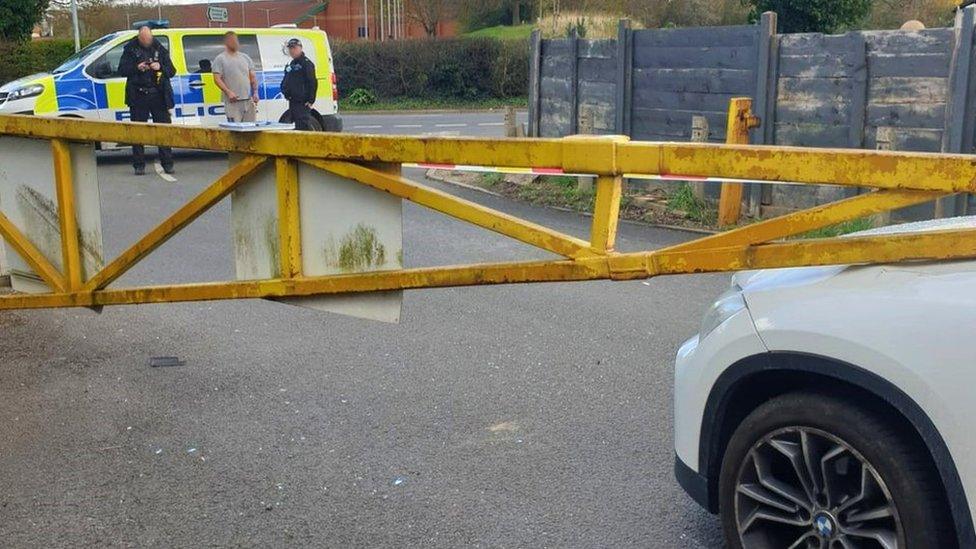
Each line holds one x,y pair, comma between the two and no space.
803,488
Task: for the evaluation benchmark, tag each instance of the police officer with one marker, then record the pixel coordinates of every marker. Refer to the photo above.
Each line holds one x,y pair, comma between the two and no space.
299,85
147,67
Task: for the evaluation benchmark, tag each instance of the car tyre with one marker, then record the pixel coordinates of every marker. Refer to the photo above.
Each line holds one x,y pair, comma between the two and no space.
875,486
313,122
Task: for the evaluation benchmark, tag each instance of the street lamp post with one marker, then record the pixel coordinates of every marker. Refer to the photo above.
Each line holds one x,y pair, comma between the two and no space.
74,23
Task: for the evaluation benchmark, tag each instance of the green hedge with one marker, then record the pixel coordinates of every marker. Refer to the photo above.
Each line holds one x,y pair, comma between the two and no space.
22,58
462,68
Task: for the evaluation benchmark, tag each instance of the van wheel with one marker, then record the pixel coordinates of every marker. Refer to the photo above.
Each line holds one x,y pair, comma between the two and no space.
313,121
809,470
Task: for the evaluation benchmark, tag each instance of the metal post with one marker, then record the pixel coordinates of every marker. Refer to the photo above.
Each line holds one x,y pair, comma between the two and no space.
366,19
382,31
737,133
243,14
74,23
606,213
159,9
68,221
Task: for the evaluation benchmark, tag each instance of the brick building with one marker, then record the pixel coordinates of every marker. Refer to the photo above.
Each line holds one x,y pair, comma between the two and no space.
342,19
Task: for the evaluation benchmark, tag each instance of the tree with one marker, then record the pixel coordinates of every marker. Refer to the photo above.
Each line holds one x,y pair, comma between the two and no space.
18,17
813,15
429,13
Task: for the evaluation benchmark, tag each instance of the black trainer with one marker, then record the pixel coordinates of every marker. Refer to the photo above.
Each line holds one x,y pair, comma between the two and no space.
169,169
140,170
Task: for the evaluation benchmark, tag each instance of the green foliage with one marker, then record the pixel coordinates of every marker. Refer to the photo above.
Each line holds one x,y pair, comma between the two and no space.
479,14
22,58
362,97
578,26
463,68
846,227
682,199
826,16
17,17
503,32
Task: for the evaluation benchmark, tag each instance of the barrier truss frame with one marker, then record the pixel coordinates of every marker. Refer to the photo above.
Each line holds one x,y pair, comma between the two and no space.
899,179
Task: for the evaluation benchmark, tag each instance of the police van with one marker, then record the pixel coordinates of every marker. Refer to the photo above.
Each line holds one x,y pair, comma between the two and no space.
88,84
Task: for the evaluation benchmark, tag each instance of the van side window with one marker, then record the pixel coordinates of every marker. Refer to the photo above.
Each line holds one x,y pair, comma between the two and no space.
107,65
201,49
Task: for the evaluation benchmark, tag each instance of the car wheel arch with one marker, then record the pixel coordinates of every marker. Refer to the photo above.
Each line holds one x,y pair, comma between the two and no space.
755,379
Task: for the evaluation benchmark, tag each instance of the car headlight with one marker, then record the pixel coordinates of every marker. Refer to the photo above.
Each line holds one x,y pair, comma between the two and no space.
724,308
26,91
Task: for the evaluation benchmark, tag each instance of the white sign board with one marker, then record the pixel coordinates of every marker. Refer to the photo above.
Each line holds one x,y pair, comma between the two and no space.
346,227
29,200
217,14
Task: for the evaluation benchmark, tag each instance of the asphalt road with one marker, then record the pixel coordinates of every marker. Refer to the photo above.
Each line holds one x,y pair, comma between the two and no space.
434,123
506,416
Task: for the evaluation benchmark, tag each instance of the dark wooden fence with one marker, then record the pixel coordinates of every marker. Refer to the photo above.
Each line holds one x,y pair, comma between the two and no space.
915,89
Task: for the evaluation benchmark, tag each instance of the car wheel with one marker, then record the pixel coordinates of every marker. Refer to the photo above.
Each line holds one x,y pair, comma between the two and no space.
808,470
313,121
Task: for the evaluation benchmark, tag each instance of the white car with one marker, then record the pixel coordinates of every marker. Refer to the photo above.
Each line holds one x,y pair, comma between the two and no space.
830,407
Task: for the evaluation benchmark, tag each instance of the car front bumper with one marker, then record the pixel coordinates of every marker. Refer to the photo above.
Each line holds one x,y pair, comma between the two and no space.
698,365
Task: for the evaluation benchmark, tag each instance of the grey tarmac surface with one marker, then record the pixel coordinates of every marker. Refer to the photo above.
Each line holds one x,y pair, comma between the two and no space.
506,416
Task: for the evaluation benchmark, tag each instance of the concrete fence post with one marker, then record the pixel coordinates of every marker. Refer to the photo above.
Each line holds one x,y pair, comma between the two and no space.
535,81
767,69
625,67
884,141
574,81
957,136
699,134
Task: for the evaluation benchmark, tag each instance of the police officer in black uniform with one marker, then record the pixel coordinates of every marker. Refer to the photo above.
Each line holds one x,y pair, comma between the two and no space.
299,85
147,67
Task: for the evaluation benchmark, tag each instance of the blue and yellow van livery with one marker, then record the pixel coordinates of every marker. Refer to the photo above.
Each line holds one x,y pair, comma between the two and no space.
87,85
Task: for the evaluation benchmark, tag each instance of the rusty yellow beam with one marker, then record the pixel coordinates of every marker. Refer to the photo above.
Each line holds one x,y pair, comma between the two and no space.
606,213
740,119
289,221
31,255
465,210
181,218
847,167
880,169
67,214
430,277
809,220
936,245
930,246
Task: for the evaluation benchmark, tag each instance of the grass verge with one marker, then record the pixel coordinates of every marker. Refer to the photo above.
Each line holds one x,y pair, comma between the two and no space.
503,32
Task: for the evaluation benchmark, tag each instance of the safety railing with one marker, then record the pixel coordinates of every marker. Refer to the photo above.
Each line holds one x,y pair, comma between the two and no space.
899,179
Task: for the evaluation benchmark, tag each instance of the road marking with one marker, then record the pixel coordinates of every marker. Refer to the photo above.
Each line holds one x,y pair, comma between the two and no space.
450,125
163,174
366,127
491,124
409,126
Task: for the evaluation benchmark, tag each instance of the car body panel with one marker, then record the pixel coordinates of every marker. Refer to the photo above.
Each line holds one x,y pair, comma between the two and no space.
76,92
908,324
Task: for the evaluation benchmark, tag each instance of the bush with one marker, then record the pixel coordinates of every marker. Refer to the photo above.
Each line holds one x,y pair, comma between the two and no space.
463,68
362,97
22,58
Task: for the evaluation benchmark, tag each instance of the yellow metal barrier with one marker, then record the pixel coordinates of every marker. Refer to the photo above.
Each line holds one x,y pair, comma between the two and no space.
899,179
